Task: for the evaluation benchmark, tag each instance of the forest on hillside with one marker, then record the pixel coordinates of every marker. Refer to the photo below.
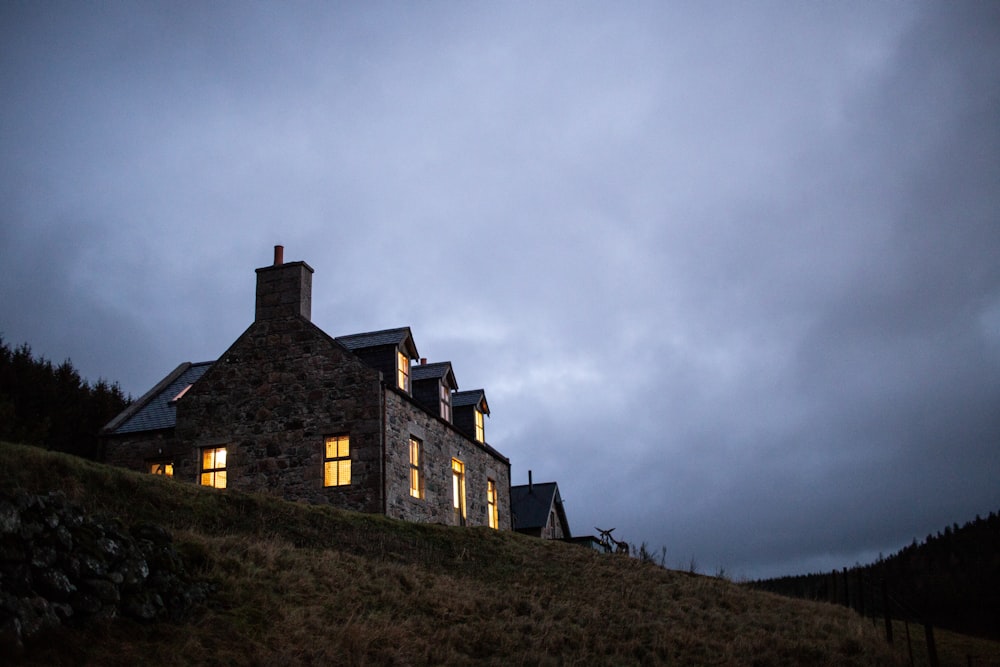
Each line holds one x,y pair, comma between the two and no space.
950,580
51,406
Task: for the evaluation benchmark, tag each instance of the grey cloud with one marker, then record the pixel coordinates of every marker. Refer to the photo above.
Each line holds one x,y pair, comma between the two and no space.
726,273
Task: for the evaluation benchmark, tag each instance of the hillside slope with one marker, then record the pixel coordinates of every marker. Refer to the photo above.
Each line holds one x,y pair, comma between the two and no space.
297,584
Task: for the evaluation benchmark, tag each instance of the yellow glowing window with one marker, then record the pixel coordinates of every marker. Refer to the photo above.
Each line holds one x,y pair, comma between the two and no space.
402,371
337,461
480,434
162,469
445,403
491,503
458,490
416,482
213,467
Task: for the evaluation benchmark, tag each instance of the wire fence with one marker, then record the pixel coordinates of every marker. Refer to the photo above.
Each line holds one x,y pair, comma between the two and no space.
869,594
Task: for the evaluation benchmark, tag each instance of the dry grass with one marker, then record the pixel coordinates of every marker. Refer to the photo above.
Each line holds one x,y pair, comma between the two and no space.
301,585
953,649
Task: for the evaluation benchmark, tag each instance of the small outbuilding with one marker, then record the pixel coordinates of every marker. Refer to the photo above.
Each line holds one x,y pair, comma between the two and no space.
538,510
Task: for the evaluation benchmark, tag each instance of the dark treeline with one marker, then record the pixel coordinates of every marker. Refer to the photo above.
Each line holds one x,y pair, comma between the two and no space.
52,406
950,580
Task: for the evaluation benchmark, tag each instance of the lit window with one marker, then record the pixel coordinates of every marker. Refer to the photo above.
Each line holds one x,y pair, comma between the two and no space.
162,469
491,503
480,434
458,490
337,461
213,467
181,393
402,371
416,481
445,403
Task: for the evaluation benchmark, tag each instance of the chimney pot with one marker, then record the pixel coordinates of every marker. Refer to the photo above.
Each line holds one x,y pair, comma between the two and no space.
530,485
279,255
423,361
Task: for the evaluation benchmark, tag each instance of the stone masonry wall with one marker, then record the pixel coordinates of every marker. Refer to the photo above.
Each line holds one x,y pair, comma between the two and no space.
137,450
270,400
440,442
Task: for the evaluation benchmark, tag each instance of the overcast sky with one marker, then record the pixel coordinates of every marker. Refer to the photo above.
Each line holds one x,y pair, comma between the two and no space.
728,272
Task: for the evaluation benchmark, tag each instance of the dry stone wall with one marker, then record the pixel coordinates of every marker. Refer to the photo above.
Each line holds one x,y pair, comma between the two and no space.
59,566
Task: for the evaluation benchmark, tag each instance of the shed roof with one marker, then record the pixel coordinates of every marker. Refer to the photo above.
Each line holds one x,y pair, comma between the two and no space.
157,409
530,504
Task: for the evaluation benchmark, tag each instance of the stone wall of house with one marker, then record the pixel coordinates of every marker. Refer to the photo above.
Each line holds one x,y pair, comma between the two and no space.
138,451
440,442
271,400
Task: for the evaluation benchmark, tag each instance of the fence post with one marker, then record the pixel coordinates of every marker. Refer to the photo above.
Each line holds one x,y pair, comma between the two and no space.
909,642
885,610
861,593
847,589
932,656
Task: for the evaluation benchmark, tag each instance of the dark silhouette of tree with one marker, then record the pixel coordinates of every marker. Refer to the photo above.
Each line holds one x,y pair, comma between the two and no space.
951,580
52,406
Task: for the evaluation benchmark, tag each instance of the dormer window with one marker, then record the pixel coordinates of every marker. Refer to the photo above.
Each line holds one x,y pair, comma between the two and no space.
388,351
431,386
469,409
480,430
445,403
402,371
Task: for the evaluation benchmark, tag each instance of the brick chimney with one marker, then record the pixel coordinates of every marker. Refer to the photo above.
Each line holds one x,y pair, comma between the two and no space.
284,289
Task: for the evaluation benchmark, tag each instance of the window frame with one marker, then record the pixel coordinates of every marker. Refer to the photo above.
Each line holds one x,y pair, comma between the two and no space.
402,371
166,468
216,474
493,514
444,397
416,468
338,459
480,420
458,502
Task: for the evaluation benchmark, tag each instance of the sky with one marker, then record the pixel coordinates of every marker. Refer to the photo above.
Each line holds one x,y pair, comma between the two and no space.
728,272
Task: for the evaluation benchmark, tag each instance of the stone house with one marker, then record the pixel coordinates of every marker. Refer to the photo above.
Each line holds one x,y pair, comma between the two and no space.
538,510
291,411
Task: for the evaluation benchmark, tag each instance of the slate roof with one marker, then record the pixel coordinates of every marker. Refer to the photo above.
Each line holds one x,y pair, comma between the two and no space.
380,338
437,370
530,505
470,397
156,409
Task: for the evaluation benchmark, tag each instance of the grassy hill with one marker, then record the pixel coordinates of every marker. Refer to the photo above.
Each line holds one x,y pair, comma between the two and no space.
297,584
